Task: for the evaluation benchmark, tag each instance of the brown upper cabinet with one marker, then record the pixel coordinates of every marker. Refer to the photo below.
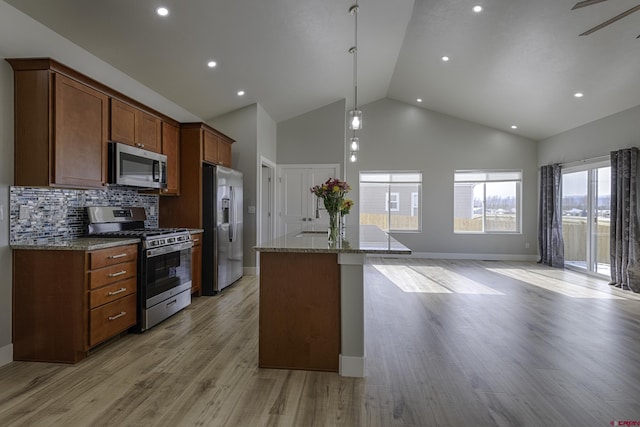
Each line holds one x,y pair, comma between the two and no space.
133,126
199,143
216,148
210,147
63,122
61,128
224,152
171,149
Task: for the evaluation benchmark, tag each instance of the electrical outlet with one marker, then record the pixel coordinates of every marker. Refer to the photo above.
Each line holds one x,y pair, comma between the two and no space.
25,213
526,245
251,209
1,212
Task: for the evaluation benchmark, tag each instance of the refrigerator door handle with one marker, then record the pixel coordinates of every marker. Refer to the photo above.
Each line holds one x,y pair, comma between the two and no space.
232,213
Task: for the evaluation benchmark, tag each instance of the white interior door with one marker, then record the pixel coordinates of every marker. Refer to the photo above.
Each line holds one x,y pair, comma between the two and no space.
297,203
266,212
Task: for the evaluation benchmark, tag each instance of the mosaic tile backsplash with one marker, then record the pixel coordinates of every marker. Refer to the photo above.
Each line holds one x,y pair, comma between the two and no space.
51,215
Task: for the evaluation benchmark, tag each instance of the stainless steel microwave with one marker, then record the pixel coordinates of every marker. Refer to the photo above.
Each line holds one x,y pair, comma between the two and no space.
136,167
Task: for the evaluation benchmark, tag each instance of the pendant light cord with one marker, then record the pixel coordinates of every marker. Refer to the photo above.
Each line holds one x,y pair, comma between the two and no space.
354,10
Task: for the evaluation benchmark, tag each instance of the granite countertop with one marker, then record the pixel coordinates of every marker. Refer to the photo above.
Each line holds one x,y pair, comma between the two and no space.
80,244
367,239
195,230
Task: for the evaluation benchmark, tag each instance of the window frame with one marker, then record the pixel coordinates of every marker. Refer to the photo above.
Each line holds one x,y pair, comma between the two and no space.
392,179
491,176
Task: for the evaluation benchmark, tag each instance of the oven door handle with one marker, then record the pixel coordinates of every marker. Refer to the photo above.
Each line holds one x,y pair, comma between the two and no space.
168,249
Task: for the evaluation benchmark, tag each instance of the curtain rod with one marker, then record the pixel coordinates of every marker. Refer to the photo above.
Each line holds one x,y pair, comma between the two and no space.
582,162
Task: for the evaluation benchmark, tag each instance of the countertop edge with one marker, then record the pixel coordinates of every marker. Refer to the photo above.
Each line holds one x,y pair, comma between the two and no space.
80,244
370,240
336,251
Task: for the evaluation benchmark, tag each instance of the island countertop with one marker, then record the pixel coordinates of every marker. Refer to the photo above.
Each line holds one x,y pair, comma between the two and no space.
365,239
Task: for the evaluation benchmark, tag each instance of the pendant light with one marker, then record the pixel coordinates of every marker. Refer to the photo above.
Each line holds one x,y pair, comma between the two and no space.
355,115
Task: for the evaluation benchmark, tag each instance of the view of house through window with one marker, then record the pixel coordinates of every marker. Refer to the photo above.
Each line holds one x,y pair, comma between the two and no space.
487,201
391,200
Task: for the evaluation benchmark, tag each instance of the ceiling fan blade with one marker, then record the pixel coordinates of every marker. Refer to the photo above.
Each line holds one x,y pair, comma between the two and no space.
586,3
612,20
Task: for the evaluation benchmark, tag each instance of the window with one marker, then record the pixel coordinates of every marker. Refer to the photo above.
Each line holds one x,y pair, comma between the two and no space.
487,201
391,200
586,204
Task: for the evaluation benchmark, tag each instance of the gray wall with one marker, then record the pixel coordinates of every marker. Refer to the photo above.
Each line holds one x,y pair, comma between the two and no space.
267,139
314,137
254,132
21,36
595,139
398,136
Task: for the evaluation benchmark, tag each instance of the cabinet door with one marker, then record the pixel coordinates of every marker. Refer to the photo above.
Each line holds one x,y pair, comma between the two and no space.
171,149
210,142
149,132
132,126
196,264
224,153
123,122
81,132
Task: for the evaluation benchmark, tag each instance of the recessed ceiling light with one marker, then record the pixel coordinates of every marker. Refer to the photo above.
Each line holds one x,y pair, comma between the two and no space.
477,8
419,100
514,127
445,58
240,93
162,11
578,94
212,64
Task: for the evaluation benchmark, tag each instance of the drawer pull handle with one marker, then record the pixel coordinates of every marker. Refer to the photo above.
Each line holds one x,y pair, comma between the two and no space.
172,302
195,240
122,313
117,256
119,273
119,291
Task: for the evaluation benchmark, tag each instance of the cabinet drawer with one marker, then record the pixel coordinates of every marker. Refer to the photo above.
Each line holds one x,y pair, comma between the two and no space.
110,319
118,254
112,292
111,274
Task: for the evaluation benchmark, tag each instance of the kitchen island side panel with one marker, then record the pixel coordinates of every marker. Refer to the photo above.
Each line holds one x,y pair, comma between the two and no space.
299,311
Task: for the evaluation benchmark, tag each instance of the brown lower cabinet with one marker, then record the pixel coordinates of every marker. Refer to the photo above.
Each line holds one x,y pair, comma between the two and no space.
299,311
196,264
66,302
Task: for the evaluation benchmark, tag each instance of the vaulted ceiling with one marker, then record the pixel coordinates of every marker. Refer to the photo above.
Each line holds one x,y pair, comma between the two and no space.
518,62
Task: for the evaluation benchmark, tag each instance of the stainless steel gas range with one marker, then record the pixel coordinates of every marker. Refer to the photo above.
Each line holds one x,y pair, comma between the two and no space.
164,261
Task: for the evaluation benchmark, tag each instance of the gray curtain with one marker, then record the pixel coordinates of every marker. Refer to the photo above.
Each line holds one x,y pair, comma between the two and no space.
625,268
550,241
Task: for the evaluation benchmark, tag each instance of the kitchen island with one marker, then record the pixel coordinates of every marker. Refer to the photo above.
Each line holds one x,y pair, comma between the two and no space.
312,299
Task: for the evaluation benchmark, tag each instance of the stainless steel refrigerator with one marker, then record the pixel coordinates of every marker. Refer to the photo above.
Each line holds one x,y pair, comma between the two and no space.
222,223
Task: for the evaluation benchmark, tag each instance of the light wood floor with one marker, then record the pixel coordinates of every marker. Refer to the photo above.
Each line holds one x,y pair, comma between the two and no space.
449,343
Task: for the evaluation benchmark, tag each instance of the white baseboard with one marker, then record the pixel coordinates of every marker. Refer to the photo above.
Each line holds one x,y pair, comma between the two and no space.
471,256
351,366
6,354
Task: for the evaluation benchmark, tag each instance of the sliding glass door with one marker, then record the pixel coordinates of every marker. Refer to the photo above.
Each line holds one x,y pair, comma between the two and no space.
586,201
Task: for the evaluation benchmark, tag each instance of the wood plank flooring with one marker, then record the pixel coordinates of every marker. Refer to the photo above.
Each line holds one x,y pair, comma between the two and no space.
449,343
